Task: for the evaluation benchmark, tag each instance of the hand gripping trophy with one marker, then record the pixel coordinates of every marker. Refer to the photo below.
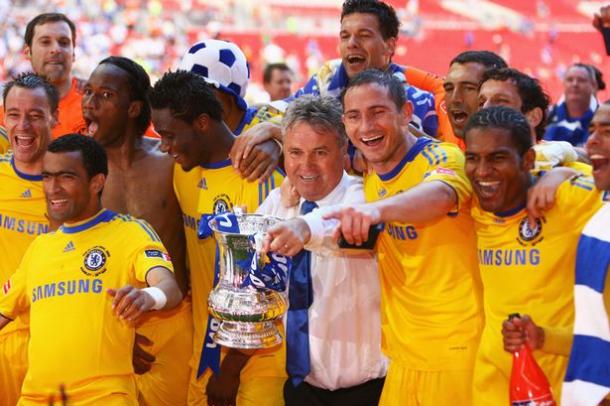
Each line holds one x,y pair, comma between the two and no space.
248,296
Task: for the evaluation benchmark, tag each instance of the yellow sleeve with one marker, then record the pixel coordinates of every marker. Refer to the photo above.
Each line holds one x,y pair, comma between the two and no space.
149,252
15,300
558,340
446,163
578,199
581,167
5,144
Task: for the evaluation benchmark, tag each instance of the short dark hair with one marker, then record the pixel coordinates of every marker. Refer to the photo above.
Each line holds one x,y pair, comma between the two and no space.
530,91
395,87
44,18
187,95
502,117
386,16
93,154
31,80
486,58
139,86
268,72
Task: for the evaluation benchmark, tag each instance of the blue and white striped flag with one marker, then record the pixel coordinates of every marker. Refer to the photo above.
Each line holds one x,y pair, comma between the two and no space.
587,380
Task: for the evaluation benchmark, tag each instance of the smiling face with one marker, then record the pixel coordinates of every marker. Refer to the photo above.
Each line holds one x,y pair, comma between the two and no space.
52,51
106,104
375,125
499,175
313,159
183,141
598,147
361,44
71,196
28,119
462,93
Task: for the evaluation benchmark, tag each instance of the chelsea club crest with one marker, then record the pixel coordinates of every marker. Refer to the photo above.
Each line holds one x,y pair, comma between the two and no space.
94,261
529,234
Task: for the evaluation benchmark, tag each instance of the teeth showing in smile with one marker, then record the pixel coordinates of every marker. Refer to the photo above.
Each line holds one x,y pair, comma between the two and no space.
488,189
355,59
24,141
371,140
308,177
56,202
92,128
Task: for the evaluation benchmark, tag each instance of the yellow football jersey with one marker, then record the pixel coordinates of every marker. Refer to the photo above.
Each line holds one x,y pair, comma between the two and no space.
430,294
5,144
529,271
210,190
22,219
75,339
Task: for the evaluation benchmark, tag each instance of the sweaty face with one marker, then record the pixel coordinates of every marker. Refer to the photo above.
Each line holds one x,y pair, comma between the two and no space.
52,51
106,103
28,119
71,196
361,44
279,87
180,139
462,93
598,147
499,175
577,84
313,159
375,125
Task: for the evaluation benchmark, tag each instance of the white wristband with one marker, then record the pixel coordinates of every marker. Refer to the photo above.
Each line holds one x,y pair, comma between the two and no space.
158,296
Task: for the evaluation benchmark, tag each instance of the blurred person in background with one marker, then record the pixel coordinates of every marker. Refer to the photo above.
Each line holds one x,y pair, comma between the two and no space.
569,119
277,81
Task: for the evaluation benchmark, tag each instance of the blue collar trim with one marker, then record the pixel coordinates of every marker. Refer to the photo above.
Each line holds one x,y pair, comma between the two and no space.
511,212
102,217
419,145
22,175
246,119
217,165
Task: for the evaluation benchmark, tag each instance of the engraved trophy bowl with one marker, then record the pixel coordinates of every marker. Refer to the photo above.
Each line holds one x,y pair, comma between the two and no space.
247,314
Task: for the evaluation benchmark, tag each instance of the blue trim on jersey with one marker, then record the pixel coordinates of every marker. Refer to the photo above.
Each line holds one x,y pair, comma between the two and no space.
217,165
103,217
280,171
419,145
511,212
149,230
246,119
3,133
24,175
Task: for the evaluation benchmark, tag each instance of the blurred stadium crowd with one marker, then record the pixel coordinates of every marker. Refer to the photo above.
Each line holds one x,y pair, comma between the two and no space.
303,33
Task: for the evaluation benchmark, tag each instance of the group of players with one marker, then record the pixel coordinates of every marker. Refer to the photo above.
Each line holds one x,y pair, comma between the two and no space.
105,281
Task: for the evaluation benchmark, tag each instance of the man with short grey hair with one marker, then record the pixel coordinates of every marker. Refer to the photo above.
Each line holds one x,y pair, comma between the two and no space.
333,340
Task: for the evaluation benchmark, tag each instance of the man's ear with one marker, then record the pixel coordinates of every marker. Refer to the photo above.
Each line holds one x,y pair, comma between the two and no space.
135,108
529,159
27,51
390,45
97,183
202,122
407,112
534,117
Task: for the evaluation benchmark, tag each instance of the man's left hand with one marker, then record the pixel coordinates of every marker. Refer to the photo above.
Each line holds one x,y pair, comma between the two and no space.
130,303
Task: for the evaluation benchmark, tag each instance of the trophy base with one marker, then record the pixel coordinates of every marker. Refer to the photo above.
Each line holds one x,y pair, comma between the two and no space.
244,335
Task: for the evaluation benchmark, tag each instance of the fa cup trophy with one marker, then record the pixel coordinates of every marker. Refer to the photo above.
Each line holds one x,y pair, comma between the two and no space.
247,298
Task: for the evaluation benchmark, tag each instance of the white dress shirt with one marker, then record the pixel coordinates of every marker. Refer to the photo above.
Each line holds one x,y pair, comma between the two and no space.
344,322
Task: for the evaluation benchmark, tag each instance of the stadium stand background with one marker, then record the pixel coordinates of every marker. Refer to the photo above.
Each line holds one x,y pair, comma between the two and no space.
540,37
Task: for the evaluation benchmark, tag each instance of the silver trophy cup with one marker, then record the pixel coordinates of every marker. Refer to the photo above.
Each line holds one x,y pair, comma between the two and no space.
247,314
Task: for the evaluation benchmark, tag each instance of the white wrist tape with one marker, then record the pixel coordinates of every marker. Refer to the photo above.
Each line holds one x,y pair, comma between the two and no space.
158,296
